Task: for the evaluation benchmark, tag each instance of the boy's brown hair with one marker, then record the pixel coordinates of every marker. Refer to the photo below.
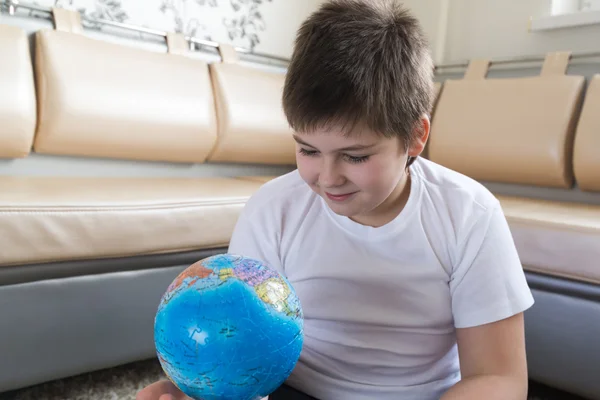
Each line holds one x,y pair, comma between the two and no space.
360,62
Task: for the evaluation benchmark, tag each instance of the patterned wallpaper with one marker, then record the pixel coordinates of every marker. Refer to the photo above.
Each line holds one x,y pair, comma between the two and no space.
263,25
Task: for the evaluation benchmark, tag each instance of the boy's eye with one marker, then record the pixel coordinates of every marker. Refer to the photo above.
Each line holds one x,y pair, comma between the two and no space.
308,152
347,157
356,159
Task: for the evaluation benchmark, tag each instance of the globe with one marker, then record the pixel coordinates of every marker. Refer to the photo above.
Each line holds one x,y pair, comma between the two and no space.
228,327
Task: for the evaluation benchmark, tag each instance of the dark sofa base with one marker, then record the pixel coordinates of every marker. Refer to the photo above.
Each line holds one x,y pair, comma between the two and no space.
563,335
57,327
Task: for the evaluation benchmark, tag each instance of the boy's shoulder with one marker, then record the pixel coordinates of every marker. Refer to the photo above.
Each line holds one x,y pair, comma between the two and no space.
451,189
458,208
278,192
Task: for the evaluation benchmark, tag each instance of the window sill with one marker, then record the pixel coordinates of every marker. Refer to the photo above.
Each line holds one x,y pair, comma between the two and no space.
552,22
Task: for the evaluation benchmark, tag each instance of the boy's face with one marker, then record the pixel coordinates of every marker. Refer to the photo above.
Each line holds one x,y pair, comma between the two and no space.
361,176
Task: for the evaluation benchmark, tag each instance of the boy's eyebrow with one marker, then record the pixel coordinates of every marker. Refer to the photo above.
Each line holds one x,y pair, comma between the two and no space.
349,148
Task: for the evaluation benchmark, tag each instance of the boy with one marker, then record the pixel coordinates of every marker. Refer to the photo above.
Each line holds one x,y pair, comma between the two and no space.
402,266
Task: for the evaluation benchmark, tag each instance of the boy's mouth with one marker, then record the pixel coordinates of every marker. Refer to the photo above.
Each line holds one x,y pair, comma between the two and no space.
339,197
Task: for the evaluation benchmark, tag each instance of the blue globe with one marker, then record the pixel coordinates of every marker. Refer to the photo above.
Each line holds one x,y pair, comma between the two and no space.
228,327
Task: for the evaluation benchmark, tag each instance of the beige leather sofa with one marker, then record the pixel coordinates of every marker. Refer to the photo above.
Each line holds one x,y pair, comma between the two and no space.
85,258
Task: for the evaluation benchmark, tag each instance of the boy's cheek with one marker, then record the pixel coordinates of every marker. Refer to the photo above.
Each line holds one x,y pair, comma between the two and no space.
307,171
370,175
377,177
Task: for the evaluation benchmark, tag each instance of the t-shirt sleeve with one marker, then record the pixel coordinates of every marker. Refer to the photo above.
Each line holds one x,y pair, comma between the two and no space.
488,283
254,237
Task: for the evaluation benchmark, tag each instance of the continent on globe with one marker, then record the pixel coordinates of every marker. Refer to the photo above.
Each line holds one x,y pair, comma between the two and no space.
276,292
226,273
229,327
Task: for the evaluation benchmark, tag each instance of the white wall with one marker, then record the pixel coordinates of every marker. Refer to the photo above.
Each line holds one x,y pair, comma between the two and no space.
499,28
286,17
432,15
458,29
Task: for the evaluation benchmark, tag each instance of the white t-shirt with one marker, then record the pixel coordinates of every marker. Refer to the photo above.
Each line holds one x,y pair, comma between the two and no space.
381,304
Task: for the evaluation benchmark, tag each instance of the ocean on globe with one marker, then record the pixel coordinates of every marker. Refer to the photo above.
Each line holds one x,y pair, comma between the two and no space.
228,327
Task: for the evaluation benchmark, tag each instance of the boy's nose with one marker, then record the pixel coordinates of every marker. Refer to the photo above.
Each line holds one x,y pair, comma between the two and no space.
330,176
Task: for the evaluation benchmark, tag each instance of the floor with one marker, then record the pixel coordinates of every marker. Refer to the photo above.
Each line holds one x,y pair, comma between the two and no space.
122,383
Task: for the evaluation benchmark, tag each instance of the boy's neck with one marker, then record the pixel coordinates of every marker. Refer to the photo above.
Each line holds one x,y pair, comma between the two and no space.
390,208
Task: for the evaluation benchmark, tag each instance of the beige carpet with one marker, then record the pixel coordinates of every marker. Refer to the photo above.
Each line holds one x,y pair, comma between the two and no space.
122,383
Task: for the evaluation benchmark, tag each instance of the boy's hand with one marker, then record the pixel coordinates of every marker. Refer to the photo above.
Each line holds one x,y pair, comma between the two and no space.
164,390
161,390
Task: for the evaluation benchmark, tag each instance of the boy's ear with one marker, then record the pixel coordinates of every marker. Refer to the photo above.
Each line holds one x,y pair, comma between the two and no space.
421,135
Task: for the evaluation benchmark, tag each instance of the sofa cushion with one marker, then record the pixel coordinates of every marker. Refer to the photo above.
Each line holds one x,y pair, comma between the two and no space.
510,130
556,238
259,178
587,140
101,99
72,218
17,94
252,125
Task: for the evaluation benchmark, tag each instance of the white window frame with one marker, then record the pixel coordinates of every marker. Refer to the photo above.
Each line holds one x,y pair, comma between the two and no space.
589,5
567,14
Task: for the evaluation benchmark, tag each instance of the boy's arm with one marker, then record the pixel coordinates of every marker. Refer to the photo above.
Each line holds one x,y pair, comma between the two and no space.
489,295
492,362
255,236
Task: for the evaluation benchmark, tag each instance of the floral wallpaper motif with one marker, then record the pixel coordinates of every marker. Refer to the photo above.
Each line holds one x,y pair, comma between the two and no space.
240,22
110,10
189,26
245,22
249,21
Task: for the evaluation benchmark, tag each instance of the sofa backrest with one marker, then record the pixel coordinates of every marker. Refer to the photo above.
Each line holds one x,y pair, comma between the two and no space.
99,99
510,130
587,140
17,94
252,126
